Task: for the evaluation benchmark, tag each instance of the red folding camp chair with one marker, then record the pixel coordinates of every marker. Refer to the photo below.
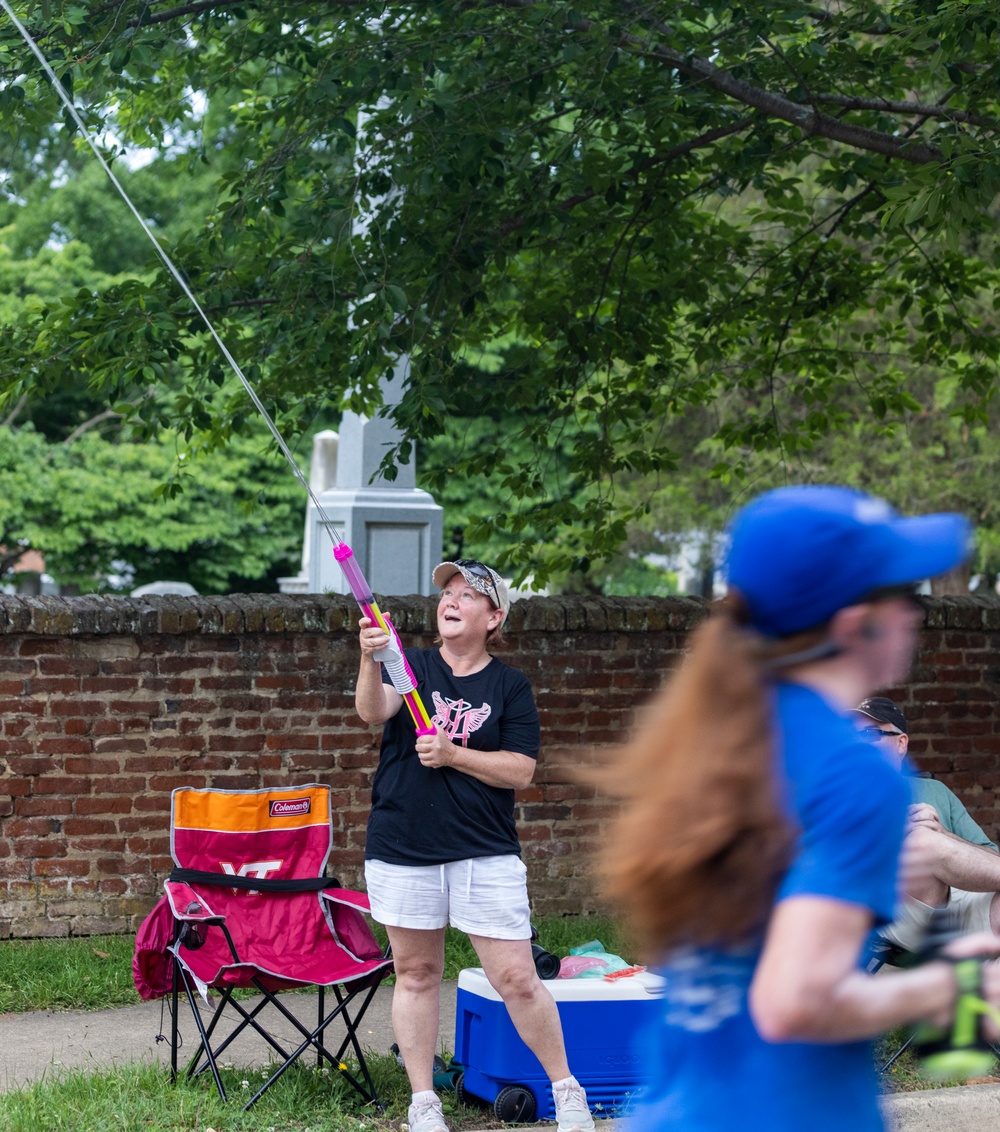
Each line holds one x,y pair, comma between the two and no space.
248,906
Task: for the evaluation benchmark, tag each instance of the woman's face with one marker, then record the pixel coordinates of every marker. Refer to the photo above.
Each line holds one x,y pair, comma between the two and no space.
463,612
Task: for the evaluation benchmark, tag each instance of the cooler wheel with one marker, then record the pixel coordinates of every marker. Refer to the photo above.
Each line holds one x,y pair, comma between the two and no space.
464,1097
515,1104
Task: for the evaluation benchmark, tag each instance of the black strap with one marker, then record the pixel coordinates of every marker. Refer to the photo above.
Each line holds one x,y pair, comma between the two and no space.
224,880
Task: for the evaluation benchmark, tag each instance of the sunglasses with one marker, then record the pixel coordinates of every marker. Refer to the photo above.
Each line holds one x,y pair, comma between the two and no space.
481,570
879,732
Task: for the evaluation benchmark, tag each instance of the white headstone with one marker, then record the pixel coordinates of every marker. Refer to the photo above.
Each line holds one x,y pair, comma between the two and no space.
393,527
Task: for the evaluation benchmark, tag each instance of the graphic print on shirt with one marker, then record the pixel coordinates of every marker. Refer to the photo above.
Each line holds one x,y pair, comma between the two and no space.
705,989
458,719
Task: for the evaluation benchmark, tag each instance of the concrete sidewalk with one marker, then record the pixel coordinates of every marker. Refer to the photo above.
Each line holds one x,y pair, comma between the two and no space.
43,1044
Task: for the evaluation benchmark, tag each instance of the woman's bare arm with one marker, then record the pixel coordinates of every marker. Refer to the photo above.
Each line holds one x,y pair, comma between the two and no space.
374,701
808,987
506,769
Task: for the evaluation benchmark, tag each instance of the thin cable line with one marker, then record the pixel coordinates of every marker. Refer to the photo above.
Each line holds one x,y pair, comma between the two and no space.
170,266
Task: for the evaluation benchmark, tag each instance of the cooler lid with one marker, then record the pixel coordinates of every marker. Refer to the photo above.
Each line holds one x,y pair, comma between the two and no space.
641,985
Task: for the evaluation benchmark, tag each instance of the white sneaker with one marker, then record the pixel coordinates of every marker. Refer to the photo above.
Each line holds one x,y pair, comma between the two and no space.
427,1116
572,1111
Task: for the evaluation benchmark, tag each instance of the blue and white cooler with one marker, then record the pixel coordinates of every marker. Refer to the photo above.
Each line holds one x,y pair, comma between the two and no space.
602,1023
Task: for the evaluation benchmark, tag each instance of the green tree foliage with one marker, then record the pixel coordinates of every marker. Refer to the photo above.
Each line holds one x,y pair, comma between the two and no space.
99,510
775,221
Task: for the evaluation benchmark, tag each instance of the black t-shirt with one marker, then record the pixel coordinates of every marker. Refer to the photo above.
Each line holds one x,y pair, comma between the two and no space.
429,816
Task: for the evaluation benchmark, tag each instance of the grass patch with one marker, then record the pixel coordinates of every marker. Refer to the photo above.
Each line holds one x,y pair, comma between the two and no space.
141,1098
905,1075
94,973
66,974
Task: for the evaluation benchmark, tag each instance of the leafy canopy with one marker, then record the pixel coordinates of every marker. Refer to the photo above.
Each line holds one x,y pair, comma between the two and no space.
589,224
103,510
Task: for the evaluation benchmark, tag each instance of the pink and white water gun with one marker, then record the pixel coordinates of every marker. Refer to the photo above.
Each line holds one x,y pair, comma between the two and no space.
392,656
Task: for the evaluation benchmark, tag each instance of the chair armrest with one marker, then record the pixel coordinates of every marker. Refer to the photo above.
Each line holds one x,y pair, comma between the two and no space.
188,905
347,896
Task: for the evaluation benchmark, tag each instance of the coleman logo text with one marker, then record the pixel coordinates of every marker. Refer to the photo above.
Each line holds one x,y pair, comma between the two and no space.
291,808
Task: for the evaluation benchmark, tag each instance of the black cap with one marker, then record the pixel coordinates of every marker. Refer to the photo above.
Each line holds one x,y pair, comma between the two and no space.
883,710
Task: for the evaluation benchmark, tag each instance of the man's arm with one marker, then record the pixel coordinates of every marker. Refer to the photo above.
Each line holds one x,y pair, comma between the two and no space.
940,861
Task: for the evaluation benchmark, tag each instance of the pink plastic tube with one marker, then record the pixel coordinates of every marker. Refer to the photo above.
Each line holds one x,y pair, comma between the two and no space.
400,672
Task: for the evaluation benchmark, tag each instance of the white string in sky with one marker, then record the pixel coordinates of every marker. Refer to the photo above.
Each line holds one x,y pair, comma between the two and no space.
169,264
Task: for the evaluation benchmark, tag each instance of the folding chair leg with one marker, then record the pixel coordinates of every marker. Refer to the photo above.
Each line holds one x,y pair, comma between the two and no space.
316,1038
210,1057
174,1032
311,1039
899,1052
352,1039
249,1019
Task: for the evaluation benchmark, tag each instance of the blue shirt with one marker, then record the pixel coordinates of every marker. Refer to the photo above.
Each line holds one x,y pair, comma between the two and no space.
716,1071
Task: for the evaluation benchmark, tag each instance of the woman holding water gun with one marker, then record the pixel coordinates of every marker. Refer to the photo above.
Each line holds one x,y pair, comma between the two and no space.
759,839
442,843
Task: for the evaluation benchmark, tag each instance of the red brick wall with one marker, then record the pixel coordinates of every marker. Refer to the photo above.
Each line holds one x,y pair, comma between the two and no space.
952,702
107,704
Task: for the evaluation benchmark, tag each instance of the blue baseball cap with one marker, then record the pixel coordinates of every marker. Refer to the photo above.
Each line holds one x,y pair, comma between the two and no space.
798,554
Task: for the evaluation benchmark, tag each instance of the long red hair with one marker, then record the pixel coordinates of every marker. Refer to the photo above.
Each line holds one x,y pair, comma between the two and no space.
701,841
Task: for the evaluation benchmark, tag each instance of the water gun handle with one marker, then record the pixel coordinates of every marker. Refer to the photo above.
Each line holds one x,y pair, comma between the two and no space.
959,1050
393,657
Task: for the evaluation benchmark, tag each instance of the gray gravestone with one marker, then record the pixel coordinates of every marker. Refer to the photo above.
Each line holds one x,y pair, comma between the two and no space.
394,528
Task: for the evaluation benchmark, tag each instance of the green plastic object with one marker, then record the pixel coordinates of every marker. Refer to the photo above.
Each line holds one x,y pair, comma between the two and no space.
594,949
959,1050
446,1074
588,948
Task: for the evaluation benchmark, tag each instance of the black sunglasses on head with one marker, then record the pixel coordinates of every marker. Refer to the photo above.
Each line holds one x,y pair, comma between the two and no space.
878,731
481,570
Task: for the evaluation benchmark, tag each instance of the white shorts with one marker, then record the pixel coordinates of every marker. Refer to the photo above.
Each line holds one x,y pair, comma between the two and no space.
485,896
908,929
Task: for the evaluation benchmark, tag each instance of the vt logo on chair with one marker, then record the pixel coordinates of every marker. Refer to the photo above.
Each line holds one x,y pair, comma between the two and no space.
258,869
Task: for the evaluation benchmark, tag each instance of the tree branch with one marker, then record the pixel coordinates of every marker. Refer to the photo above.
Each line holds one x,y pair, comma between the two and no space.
808,121
775,105
917,108
107,415
699,142
200,6
13,414
811,122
